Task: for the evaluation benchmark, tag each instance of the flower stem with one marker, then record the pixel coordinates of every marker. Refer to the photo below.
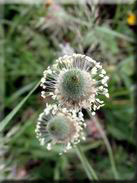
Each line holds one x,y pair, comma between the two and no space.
109,149
108,146
88,168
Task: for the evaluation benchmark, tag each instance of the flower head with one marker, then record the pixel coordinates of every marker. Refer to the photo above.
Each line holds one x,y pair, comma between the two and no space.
75,82
132,19
60,126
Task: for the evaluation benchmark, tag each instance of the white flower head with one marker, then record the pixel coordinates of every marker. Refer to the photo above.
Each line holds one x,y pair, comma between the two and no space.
60,126
76,82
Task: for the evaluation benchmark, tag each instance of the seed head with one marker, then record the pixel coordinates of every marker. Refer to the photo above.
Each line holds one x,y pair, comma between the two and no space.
75,82
60,126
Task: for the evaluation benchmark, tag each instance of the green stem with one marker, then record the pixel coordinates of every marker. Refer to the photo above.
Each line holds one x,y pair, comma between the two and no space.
109,149
88,168
108,146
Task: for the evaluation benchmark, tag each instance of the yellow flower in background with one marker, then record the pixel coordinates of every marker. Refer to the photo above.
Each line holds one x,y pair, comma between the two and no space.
49,3
132,18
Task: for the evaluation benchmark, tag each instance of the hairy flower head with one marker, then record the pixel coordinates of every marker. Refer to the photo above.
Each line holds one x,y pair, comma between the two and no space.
60,126
75,82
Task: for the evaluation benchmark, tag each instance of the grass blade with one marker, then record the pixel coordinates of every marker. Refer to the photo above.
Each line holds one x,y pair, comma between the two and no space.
19,92
7,119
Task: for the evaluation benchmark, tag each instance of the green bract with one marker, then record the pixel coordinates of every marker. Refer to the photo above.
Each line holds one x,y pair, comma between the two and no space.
72,85
58,127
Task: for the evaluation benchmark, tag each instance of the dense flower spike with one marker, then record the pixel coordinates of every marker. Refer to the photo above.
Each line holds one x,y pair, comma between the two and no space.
60,126
75,82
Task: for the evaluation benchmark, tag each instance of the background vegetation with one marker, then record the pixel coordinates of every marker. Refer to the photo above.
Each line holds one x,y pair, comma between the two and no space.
32,37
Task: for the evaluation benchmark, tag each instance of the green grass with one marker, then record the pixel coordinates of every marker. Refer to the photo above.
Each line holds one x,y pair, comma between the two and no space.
28,50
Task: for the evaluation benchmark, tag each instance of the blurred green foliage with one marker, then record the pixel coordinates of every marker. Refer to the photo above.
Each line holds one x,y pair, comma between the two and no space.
32,39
